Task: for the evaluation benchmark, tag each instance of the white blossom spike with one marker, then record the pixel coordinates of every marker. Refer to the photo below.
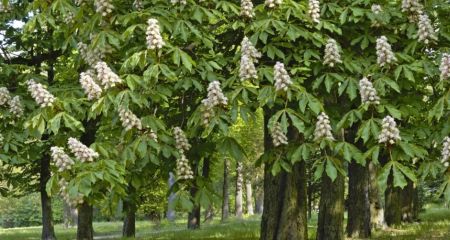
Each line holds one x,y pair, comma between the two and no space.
247,8
273,3
314,10
91,57
384,52
181,142
247,69
5,96
40,94
138,5
281,77
184,171
81,151
62,160
376,9
368,92
129,119
323,128
445,66
389,131
103,7
278,136
2,139
249,50
182,2
215,95
426,31
106,76
446,151
154,38
15,106
91,88
332,55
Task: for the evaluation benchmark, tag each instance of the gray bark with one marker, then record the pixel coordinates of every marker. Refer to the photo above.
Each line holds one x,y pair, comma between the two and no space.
170,209
249,199
239,189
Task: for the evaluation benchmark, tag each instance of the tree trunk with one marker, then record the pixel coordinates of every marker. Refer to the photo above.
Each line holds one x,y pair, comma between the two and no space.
129,222
249,199
48,231
393,198
375,199
70,215
85,230
170,209
310,193
358,224
194,215
331,209
284,214
259,201
209,213
239,189
225,192
409,202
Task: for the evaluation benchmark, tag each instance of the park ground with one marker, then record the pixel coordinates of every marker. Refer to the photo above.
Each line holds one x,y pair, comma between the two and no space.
434,224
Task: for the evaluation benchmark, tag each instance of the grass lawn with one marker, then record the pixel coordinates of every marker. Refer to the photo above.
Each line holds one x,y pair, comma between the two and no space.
435,224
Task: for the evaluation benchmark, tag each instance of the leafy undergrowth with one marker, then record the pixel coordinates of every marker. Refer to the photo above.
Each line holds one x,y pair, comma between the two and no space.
435,224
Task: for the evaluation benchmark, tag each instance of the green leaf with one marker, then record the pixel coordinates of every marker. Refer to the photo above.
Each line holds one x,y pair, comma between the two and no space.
331,170
399,179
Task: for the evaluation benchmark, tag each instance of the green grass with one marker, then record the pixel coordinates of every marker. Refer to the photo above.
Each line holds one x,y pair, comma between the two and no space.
435,224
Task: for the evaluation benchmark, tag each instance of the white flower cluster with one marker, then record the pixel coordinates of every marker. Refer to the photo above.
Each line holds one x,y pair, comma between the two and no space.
183,170
1,139
81,151
182,2
40,94
65,194
389,131
412,6
368,92
62,160
207,112
129,119
181,142
5,97
249,56
332,55
91,88
426,31
138,4
107,77
281,77
104,7
215,95
154,38
314,10
15,106
445,66
153,135
278,136
446,151
79,2
90,57
273,3
247,8
384,52
376,9
323,128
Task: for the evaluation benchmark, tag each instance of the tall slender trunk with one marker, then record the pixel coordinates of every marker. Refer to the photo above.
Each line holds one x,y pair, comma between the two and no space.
410,206
225,191
259,201
393,198
48,231
239,189
310,193
171,209
331,209
209,213
85,229
194,215
284,215
249,195
375,198
358,224
129,222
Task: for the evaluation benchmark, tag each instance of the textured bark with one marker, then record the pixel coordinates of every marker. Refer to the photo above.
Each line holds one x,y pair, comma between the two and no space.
358,224
70,215
129,222
249,197
410,208
239,189
376,203
85,230
393,198
209,213
331,209
48,231
225,192
194,215
170,209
